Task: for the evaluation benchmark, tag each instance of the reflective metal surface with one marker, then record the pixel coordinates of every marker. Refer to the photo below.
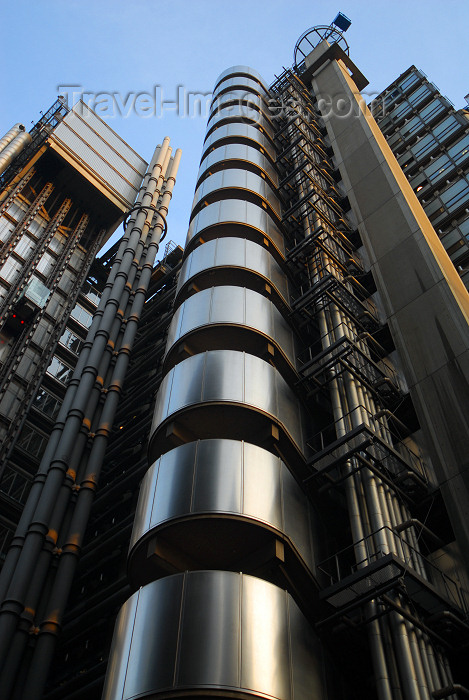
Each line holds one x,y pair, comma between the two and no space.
235,215
235,306
240,83
111,162
237,96
241,132
241,98
242,182
241,71
211,631
242,113
234,252
238,153
227,478
226,377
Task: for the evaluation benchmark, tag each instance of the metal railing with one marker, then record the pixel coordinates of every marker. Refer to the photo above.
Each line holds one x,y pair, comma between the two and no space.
344,563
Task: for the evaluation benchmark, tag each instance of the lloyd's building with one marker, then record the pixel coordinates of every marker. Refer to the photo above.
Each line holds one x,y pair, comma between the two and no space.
301,530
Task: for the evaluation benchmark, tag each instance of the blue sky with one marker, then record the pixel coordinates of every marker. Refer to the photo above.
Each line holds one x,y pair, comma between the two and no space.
146,46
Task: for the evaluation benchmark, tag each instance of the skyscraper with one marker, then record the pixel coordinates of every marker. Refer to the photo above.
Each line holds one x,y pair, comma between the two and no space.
291,536
430,141
65,186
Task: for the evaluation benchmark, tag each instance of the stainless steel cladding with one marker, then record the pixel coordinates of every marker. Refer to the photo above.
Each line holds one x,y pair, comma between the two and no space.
241,113
223,632
83,138
235,155
237,183
242,133
240,83
240,97
215,318
225,254
203,394
244,486
13,149
10,135
235,217
241,72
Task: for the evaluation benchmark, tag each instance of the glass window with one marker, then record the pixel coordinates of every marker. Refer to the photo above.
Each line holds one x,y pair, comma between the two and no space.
77,258
60,370
460,150
10,269
32,441
57,242
46,263
46,403
24,246
410,80
15,484
445,128
81,315
6,229
91,293
412,127
419,95
438,168
400,111
464,227
71,341
431,110
455,195
424,146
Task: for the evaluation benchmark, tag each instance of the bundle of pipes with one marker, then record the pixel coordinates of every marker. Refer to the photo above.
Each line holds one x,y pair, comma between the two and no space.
12,144
406,662
57,511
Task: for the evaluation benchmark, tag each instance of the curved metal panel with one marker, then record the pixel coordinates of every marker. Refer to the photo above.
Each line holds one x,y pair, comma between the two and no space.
240,83
214,631
242,98
234,217
242,182
238,153
241,71
219,377
230,305
242,113
242,132
233,252
221,478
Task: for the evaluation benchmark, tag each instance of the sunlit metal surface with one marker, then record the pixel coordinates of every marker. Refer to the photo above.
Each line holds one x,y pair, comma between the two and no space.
233,306
238,97
223,478
206,631
235,217
239,132
236,153
241,71
234,253
240,83
244,113
243,182
226,377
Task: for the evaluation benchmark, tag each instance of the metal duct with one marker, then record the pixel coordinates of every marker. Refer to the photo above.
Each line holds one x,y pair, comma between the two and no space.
10,135
13,149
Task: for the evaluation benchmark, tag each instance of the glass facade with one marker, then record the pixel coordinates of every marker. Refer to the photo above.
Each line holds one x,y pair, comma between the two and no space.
430,141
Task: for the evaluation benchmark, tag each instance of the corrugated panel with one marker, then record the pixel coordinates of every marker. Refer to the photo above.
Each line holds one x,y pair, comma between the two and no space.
101,151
